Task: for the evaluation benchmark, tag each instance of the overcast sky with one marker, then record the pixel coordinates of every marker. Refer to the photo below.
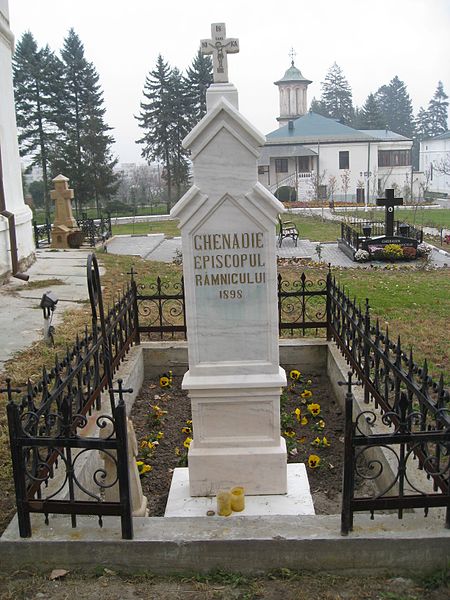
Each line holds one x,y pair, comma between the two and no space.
372,41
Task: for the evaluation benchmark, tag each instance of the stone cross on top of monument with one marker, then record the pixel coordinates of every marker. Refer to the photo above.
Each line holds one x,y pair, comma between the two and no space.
219,46
389,201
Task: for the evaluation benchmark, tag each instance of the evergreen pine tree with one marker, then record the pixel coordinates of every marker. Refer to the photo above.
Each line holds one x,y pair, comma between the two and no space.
37,81
370,115
199,77
181,109
318,108
438,111
155,119
422,124
396,107
336,97
84,151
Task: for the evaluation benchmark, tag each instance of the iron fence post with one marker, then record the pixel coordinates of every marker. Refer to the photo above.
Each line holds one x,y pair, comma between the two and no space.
137,335
366,350
14,426
120,418
328,303
348,470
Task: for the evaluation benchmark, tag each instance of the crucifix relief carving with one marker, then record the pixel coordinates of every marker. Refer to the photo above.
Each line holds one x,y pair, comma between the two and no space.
219,46
389,202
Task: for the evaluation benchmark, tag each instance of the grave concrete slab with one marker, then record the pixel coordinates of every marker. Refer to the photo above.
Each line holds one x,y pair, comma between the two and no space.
137,245
297,501
166,251
248,545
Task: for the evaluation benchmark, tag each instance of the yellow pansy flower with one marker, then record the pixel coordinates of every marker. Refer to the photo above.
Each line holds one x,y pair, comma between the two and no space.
298,413
313,461
294,374
187,442
304,421
314,409
306,394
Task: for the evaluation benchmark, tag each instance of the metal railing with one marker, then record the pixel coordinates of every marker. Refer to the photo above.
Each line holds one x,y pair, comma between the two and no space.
46,425
415,407
357,234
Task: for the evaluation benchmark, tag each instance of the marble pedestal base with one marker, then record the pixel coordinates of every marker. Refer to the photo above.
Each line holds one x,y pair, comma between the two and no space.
258,470
297,501
236,426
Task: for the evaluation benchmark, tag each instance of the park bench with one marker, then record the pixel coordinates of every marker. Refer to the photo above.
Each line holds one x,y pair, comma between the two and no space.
287,229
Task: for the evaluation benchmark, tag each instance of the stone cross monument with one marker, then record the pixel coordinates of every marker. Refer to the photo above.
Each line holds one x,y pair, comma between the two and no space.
389,202
65,231
219,46
228,223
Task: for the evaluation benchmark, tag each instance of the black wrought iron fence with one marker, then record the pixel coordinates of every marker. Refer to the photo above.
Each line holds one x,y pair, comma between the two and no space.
42,234
411,404
302,307
46,425
95,230
356,233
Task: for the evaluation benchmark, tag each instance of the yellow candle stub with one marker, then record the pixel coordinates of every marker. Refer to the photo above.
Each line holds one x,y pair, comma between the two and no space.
237,499
224,504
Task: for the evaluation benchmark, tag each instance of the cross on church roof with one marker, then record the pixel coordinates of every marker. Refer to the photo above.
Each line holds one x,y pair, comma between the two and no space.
389,201
219,46
292,54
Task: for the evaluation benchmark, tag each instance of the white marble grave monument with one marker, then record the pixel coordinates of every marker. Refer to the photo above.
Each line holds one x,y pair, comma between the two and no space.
227,221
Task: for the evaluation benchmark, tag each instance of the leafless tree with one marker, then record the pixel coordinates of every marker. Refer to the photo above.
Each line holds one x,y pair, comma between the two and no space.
443,166
345,182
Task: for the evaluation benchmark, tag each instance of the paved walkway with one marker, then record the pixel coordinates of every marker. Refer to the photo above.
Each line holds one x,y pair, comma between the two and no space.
155,247
21,319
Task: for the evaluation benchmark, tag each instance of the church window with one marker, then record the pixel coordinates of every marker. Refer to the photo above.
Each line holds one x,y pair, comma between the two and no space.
281,165
394,158
344,159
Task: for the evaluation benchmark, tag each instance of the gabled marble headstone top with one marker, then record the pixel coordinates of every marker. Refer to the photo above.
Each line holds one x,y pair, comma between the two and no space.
228,221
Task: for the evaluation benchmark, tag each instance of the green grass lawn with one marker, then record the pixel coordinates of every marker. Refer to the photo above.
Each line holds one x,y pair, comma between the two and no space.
154,209
169,228
312,228
423,217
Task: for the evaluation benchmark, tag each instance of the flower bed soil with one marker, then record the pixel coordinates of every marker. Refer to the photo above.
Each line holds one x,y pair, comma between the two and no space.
167,411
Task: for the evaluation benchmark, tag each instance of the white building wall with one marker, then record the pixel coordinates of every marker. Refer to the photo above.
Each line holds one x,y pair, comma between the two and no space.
12,182
363,170
433,152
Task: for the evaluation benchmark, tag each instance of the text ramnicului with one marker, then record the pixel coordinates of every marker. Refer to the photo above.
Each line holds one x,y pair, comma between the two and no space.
206,258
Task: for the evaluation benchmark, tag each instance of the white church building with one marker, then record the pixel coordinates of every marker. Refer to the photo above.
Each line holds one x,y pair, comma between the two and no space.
319,157
435,163
16,236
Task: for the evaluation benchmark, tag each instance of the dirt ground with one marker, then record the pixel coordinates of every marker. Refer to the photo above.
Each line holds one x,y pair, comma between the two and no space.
285,585
161,417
